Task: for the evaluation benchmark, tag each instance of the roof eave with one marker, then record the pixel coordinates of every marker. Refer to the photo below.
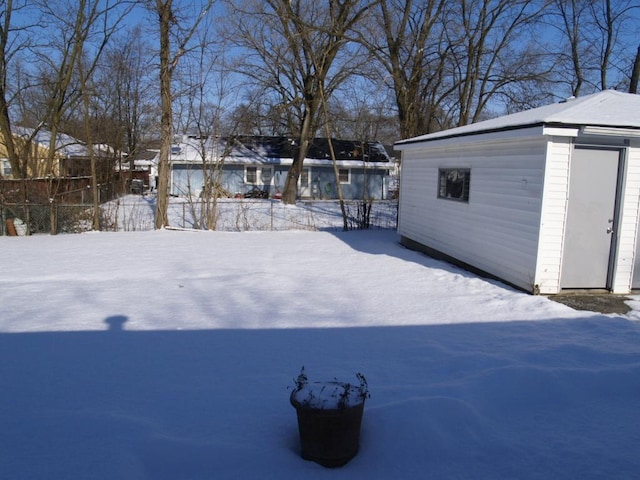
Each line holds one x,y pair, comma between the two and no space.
548,128
469,134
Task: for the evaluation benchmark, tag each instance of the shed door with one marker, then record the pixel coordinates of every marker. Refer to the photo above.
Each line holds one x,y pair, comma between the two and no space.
591,211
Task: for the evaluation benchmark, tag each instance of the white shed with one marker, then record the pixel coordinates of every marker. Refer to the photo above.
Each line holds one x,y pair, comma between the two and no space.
545,200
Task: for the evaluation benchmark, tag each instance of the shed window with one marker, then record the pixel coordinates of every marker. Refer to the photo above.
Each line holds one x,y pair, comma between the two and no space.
454,183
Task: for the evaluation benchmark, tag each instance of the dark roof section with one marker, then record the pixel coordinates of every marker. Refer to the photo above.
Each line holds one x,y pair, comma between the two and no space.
286,147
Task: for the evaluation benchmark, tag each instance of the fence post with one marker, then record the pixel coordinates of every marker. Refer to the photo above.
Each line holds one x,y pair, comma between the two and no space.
53,222
27,215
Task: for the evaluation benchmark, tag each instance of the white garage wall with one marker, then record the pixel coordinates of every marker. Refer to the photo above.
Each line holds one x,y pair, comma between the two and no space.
497,231
628,245
552,223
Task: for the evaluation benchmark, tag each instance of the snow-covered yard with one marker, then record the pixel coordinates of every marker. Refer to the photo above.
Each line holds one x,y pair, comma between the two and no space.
136,212
168,355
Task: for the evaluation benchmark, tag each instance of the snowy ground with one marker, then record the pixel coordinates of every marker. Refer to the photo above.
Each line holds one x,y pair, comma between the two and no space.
168,355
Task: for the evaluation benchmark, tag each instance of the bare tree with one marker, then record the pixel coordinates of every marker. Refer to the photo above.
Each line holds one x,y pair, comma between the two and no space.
407,41
169,59
97,127
259,112
86,102
610,19
596,34
448,61
78,24
14,40
364,116
48,77
125,91
204,83
570,13
70,34
294,48
488,53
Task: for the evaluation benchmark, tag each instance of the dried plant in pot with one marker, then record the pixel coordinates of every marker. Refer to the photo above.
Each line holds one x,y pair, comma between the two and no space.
329,418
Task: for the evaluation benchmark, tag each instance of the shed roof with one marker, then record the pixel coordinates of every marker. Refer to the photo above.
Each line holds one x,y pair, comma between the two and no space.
604,109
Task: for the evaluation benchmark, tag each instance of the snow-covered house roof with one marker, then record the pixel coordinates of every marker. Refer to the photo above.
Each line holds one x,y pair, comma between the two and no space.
65,145
247,150
604,109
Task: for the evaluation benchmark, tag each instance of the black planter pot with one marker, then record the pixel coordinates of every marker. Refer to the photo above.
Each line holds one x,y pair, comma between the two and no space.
330,437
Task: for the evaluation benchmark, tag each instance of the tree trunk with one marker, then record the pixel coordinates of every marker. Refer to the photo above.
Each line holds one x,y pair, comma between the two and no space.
5,127
5,123
164,9
635,74
165,14
95,224
290,193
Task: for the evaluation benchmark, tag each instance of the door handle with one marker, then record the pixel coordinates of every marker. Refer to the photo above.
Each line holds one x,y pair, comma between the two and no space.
610,227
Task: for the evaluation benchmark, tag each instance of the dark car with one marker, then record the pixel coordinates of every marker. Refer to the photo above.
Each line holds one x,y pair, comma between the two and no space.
255,192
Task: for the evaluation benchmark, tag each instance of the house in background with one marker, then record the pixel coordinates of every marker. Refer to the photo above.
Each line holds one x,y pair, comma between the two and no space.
140,167
71,157
545,200
240,165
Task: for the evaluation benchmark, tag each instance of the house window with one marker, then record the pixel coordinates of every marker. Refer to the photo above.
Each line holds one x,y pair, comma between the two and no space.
304,178
344,175
266,173
6,167
251,175
258,175
454,183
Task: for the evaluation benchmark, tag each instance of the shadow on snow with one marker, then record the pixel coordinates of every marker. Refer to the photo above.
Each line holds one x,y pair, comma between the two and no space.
527,400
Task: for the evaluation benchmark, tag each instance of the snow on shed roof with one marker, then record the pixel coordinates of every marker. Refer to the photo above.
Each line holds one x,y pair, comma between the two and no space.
608,109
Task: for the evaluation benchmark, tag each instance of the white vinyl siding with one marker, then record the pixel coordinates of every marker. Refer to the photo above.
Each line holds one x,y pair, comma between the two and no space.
552,223
554,214
628,228
513,226
497,231
509,228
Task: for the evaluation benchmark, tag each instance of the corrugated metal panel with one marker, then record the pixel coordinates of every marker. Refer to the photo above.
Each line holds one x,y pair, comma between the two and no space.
497,231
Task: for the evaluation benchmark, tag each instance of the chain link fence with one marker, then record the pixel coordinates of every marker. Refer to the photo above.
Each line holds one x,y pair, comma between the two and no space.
45,218
136,213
